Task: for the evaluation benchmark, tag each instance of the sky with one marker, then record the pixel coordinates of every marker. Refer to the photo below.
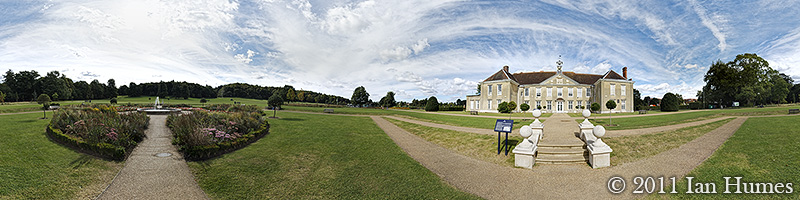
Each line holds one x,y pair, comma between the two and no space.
416,49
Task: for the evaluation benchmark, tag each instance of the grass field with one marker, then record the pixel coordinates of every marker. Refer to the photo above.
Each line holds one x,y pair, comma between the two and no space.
684,117
478,146
473,122
632,148
614,114
763,150
308,156
528,114
32,167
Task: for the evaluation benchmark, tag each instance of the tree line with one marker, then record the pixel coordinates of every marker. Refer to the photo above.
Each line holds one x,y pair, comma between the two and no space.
28,85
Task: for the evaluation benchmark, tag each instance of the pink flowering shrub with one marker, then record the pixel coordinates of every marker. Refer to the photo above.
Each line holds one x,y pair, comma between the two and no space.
98,126
214,132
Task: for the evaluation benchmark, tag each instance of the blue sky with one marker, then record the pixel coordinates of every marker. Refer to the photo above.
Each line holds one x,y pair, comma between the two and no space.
415,48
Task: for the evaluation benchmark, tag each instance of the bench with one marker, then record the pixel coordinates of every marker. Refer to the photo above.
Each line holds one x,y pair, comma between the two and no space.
328,110
794,111
473,112
642,111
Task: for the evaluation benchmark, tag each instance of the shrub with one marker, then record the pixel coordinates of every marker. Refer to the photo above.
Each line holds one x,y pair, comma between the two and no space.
595,107
202,135
670,102
695,105
113,101
432,105
98,130
233,108
524,107
449,107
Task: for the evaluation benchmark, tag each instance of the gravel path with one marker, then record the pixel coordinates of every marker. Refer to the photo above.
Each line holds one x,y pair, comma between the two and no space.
557,121
146,176
553,181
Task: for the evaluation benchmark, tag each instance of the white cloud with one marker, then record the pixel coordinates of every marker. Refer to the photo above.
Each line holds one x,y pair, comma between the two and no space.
712,23
246,59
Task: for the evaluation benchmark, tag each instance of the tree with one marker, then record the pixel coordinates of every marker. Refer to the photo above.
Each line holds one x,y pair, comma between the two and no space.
275,101
388,100
610,104
670,102
360,96
2,98
781,83
595,107
432,104
478,92
638,103
512,106
503,107
111,89
748,78
524,107
291,95
45,101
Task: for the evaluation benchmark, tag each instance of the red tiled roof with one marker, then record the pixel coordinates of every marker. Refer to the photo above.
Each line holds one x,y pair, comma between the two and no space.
525,78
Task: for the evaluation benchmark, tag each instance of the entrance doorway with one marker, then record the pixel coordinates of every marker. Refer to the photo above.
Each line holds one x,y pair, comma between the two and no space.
560,106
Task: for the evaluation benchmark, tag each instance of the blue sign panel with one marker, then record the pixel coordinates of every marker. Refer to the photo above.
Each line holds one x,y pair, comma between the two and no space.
504,125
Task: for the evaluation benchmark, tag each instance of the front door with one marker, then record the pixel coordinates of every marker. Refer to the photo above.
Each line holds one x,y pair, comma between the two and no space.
560,106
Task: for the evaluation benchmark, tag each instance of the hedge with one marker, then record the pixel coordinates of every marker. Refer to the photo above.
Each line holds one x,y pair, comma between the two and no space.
102,150
199,153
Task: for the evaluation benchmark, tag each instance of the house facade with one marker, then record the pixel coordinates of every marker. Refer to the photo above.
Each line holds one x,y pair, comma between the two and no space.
554,91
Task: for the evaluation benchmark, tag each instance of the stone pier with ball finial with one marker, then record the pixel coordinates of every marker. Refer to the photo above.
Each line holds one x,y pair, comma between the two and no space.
559,141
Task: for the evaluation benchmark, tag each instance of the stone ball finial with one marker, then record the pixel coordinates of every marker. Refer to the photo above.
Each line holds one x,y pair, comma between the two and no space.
587,113
599,131
537,113
526,131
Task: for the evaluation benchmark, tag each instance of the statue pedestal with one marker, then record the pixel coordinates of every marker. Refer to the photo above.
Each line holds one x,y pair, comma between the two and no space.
524,156
586,131
599,154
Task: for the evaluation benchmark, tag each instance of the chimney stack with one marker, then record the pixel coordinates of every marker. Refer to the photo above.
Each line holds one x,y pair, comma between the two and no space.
625,72
505,68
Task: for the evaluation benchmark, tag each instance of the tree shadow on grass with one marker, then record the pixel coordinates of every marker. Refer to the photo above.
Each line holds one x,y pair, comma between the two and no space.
292,119
81,161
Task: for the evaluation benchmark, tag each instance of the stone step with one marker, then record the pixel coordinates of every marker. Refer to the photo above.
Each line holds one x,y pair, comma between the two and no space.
560,159
562,151
546,146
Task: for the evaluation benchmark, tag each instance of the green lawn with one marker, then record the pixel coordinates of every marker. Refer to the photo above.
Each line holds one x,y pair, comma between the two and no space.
614,114
632,148
684,117
29,106
33,167
763,150
191,101
322,157
464,121
522,114
478,146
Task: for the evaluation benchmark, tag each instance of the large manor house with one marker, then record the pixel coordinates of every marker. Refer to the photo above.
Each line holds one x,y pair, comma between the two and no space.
559,92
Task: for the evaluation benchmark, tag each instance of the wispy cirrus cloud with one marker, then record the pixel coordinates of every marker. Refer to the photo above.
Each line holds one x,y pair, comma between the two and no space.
416,48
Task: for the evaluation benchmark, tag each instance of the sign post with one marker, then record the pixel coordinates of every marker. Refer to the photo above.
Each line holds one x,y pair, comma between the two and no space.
503,126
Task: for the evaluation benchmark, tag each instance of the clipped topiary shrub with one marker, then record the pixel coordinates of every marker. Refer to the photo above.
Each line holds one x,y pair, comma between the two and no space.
98,130
432,105
201,135
670,102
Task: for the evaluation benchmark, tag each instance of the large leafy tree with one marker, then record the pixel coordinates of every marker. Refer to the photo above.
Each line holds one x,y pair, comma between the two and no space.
670,102
432,104
638,103
111,89
388,100
748,79
360,96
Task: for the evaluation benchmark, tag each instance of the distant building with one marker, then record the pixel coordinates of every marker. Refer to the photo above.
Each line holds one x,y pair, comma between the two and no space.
559,92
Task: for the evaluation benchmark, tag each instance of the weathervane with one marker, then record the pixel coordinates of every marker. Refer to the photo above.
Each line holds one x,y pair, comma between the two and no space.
559,63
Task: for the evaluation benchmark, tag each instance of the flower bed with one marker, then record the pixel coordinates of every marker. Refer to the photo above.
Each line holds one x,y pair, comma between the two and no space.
201,135
98,130
233,108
